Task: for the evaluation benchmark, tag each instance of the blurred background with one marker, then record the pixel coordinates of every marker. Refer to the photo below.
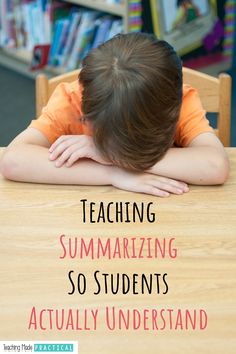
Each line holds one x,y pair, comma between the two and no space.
52,37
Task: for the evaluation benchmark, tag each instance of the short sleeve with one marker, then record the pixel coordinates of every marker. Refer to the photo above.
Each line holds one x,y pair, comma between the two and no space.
61,112
192,120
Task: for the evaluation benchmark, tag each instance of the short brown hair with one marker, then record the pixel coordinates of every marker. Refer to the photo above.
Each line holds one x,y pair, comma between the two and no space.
132,94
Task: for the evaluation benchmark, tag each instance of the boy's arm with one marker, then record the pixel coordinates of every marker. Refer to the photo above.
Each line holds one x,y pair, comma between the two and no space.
27,159
203,162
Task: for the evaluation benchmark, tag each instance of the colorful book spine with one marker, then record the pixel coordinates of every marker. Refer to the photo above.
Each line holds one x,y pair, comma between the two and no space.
27,27
86,43
8,36
58,30
72,30
47,23
87,20
3,27
11,24
230,10
116,27
62,41
34,15
39,18
18,26
103,31
135,15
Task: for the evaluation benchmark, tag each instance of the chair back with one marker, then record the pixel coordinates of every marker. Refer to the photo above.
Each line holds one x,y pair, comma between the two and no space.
215,95
45,87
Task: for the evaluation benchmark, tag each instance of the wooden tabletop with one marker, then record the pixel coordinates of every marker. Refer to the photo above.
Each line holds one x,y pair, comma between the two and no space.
202,276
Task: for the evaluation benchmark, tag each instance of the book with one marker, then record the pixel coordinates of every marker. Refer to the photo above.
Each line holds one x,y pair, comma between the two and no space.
18,25
116,27
7,24
75,18
86,44
87,21
59,10
58,30
103,31
36,17
62,40
11,25
47,23
3,23
27,27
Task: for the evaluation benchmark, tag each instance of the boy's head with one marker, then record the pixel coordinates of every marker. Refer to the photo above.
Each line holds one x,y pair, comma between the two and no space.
132,94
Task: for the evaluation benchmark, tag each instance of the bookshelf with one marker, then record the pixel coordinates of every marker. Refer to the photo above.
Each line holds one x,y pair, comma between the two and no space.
19,59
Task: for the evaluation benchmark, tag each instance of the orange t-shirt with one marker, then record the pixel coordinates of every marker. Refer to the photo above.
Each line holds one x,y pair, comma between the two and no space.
61,115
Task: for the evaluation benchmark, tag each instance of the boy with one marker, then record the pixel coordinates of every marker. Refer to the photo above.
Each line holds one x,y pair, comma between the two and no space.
130,123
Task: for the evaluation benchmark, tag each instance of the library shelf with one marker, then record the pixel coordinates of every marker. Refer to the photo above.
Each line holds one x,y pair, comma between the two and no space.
19,60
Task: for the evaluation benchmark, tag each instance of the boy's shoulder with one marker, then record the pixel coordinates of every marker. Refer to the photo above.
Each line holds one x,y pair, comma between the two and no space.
190,100
192,119
72,86
68,88
67,92
187,89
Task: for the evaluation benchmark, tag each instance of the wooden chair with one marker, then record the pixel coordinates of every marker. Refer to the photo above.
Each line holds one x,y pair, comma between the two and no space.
215,94
45,87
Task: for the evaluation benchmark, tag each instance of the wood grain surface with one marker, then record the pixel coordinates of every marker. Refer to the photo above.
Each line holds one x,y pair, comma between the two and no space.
202,276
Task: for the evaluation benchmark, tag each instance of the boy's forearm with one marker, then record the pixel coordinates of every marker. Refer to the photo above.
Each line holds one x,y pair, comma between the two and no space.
196,165
30,163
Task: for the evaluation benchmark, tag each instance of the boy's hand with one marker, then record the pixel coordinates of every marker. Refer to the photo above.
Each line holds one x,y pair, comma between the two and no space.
146,183
70,148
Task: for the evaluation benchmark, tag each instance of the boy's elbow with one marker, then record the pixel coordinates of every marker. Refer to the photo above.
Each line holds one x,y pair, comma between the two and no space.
221,169
9,167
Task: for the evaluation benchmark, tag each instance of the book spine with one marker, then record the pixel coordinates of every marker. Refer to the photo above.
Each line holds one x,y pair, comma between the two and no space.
102,32
116,27
56,41
11,25
47,23
74,23
62,40
27,26
135,15
87,20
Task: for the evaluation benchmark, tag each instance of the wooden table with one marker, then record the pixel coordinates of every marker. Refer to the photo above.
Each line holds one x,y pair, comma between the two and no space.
202,276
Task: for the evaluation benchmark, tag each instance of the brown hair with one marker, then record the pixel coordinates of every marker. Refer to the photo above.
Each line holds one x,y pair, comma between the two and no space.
132,94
